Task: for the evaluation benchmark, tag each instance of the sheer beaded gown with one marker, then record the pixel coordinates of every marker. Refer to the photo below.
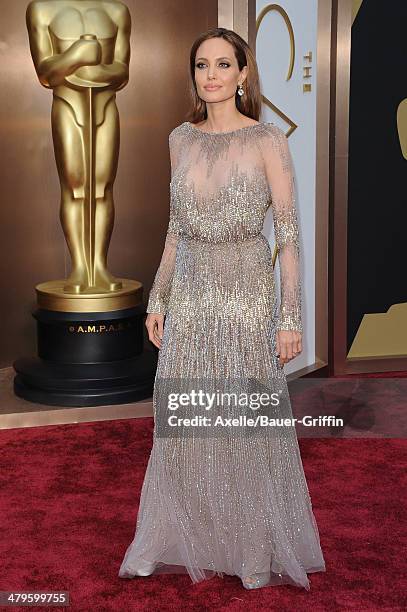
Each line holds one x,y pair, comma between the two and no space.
227,504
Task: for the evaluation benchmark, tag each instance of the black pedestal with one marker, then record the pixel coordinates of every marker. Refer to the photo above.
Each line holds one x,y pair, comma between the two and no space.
88,359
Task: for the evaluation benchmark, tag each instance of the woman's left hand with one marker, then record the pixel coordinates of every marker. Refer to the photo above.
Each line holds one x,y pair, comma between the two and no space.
289,345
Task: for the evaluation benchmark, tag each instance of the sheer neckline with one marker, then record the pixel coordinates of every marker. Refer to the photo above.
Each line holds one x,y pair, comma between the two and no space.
246,127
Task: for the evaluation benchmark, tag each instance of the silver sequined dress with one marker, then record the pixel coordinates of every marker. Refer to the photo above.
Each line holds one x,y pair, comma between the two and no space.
233,504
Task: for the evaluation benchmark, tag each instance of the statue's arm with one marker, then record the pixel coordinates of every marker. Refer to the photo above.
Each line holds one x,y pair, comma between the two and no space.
51,69
116,73
120,66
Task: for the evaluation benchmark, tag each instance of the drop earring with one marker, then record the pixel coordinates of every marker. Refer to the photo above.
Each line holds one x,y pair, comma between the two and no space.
240,91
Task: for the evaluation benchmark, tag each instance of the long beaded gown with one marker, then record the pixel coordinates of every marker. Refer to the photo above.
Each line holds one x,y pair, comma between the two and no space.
214,504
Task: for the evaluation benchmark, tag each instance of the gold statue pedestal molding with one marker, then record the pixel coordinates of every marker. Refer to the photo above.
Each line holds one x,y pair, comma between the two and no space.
51,296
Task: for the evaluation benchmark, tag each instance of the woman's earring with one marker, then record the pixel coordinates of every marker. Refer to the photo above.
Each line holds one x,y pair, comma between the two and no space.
240,91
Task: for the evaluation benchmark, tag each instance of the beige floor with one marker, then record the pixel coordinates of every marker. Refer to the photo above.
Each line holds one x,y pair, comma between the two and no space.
17,412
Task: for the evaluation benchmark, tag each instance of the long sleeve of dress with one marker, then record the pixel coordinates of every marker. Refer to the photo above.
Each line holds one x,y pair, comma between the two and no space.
160,290
280,175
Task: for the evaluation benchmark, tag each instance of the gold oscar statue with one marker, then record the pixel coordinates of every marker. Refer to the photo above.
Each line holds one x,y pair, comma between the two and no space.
81,50
90,332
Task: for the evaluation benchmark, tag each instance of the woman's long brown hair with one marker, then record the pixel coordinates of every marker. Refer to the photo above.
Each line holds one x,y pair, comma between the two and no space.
250,103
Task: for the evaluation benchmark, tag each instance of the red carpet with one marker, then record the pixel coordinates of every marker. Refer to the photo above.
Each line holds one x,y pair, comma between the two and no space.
68,512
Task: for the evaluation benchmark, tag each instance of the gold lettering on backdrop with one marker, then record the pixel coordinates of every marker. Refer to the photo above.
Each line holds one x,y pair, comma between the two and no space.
293,126
279,9
307,73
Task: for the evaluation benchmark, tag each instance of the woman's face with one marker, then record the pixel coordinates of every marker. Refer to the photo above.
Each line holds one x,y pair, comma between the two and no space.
217,73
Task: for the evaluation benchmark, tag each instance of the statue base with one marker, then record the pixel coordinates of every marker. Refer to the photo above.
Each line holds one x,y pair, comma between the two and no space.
91,384
51,296
88,358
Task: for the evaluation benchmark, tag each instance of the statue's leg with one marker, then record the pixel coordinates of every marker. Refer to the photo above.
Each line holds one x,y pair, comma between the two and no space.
106,160
69,155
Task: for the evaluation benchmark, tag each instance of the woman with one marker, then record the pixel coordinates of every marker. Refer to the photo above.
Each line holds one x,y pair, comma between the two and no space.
226,500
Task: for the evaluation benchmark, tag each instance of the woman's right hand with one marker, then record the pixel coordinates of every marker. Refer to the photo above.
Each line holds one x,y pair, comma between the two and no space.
155,328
